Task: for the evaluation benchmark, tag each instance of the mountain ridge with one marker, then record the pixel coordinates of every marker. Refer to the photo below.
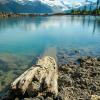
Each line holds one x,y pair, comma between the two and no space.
37,6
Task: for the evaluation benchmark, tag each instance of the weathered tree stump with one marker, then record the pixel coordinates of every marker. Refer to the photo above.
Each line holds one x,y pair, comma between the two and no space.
40,79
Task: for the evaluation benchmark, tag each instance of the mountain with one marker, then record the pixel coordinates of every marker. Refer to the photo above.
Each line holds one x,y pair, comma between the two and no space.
42,6
29,7
86,5
32,6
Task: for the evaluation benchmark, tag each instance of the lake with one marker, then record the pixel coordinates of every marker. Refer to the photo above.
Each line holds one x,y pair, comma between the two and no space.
23,40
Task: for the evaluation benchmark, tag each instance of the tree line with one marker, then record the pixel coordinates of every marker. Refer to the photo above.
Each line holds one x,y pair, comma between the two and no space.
88,11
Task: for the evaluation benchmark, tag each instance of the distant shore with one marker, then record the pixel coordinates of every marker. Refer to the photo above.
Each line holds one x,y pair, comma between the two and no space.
7,15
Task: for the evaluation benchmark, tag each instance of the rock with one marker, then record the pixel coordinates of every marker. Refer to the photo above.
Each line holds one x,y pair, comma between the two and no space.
80,60
95,97
31,99
40,97
3,66
18,99
98,59
78,81
58,98
36,99
49,98
77,52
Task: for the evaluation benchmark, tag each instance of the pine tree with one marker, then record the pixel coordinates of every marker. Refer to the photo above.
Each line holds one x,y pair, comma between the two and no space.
97,6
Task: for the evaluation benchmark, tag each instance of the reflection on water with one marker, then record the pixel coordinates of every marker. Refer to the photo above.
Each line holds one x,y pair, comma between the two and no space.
37,21
88,20
22,40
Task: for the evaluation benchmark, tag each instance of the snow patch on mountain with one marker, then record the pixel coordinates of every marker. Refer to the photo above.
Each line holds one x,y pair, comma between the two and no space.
54,4
40,6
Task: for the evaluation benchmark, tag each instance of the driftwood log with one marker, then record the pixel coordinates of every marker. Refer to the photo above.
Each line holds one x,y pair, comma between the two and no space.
40,79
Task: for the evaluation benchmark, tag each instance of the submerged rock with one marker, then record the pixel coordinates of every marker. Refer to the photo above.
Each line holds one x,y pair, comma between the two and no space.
4,66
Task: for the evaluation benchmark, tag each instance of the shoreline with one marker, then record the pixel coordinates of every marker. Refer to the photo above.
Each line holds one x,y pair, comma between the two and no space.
11,15
78,80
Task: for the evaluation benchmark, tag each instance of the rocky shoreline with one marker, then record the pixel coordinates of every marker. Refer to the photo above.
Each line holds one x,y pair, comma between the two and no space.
78,80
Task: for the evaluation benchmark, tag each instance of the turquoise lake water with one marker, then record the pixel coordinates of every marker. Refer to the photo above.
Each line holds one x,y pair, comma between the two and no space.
34,35
23,39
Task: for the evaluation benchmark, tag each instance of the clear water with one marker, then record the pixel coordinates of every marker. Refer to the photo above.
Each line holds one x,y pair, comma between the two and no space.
23,39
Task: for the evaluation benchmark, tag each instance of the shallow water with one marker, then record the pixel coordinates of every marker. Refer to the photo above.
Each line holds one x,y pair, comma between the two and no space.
24,39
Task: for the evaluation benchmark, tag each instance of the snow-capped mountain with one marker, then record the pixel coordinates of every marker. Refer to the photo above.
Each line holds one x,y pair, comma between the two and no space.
38,6
54,5
85,5
24,7
32,6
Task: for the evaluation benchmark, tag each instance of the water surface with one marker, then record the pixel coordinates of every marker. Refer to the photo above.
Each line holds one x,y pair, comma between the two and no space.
24,39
